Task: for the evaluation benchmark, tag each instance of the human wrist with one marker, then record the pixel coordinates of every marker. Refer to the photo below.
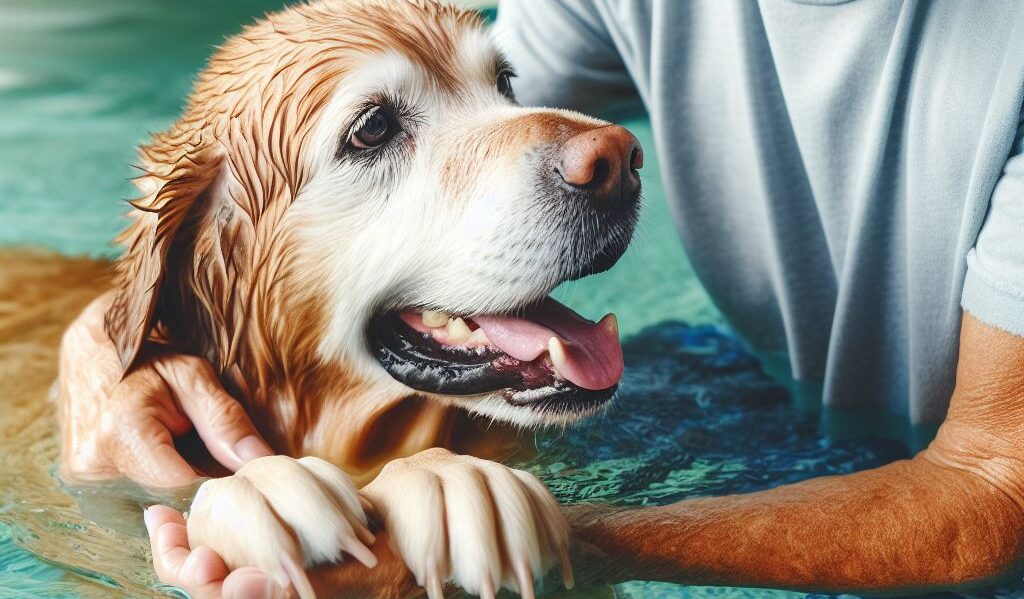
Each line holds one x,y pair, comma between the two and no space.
597,553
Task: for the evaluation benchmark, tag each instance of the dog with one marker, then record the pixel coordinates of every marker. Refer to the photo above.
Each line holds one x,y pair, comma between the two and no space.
359,227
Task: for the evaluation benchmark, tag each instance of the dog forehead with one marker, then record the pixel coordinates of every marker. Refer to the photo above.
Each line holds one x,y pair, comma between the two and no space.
478,57
307,43
470,70
428,33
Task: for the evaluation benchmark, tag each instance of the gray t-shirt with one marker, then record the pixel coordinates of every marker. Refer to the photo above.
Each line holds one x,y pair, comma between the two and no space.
844,175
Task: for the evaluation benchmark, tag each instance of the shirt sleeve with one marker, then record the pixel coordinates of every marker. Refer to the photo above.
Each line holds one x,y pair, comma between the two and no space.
563,55
994,287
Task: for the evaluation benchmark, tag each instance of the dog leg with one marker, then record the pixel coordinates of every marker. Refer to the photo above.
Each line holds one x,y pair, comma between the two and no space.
470,521
281,515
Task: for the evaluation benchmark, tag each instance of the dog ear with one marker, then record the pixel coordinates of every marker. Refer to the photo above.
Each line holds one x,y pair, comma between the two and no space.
179,173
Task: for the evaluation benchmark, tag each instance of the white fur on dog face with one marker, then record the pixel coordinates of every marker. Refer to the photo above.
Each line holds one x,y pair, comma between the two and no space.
405,229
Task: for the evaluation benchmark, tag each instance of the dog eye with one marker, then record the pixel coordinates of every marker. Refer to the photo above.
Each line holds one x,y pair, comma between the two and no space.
505,85
377,128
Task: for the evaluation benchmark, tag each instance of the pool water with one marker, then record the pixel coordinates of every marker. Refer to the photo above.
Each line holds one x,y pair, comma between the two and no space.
81,81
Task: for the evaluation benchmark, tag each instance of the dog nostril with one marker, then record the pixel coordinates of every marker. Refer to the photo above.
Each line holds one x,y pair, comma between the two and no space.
636,159
600,173
587,176
604,162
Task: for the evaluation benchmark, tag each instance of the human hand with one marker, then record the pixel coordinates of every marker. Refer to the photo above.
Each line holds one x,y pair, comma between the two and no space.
258,530
113,426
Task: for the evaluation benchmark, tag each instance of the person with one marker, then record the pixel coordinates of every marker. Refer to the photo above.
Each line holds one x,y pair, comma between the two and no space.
848,180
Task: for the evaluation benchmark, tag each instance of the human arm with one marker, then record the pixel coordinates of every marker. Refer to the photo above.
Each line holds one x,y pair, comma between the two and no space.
954,514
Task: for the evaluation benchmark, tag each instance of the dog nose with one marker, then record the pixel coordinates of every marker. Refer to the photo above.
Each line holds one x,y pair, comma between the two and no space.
604,161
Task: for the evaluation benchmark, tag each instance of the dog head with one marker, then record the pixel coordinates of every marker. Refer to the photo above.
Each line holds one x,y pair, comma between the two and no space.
353,188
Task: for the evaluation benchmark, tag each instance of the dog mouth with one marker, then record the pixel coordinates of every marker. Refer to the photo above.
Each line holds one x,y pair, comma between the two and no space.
545,357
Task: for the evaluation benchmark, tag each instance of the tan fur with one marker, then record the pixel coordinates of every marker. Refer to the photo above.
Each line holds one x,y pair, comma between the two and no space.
216,266
219,279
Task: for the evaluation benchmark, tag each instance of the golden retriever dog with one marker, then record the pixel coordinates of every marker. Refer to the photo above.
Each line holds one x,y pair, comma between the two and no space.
358,227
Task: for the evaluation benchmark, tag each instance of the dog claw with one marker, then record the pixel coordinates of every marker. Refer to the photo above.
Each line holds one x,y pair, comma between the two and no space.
567,577
525,580
364,535
487,587
368,508
297,576
433,582
356,549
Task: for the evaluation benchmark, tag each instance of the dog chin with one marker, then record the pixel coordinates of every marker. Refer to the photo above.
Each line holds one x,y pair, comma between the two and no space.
528,414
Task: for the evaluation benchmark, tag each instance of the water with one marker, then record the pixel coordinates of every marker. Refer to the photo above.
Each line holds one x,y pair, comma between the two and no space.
82,81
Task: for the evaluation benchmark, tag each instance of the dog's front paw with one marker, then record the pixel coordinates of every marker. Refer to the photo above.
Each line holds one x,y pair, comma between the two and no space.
281,515
476,523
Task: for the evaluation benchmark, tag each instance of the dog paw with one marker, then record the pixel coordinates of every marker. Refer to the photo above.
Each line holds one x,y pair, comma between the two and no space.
281,515
473,522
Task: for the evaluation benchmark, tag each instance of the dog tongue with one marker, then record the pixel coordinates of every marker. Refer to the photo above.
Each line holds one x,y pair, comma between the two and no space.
592,354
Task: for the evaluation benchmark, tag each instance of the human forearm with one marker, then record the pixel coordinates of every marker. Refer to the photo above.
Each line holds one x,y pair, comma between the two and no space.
910,525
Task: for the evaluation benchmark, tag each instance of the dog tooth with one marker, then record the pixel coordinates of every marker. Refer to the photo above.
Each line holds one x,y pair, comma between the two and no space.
479,337
434,319
458,331
556,349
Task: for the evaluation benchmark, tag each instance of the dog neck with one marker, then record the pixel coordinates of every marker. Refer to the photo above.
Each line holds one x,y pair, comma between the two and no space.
304,405
360,429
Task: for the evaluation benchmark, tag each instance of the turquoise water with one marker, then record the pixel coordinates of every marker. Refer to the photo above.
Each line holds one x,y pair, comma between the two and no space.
80,84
